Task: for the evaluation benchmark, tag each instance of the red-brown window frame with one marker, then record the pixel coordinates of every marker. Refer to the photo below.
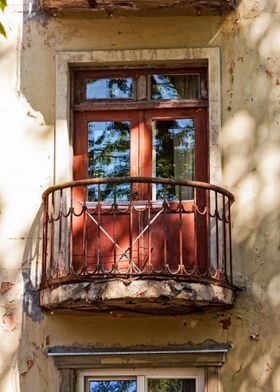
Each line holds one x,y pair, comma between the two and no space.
195,108
80,77
86,110
141,138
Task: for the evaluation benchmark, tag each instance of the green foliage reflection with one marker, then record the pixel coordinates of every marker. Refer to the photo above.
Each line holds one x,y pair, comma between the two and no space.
173,144
164,87
171,385
109,156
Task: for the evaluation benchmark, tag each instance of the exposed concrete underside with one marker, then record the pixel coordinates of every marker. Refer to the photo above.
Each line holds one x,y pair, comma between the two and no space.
141,296
187,7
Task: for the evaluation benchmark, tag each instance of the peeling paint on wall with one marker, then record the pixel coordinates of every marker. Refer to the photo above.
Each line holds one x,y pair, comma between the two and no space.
5,287
9,322
249,42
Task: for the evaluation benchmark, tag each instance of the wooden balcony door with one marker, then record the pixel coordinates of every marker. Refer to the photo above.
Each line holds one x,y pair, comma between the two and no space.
106,144
179,150
147,143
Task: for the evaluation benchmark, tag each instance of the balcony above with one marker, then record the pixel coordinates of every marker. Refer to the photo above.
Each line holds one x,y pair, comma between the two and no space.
146,245
164,7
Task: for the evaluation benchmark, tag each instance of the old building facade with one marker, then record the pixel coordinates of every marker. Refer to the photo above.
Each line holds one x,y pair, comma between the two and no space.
107,272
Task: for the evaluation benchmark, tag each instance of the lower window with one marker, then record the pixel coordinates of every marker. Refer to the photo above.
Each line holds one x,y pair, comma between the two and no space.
142,380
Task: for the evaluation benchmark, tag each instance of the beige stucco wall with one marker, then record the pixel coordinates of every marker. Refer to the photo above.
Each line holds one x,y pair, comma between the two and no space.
249,40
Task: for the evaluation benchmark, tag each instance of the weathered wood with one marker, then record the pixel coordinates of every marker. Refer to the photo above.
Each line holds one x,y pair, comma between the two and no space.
132,105
188,7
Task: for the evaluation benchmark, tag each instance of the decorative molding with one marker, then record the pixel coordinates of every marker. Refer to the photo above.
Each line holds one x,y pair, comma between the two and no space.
209,355
134,58
212,379
67,380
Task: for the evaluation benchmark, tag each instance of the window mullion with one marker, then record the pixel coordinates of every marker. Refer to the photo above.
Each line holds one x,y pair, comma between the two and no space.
141,384
141,87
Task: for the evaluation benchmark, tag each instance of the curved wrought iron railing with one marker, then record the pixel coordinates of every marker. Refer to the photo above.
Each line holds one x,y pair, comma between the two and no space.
136,226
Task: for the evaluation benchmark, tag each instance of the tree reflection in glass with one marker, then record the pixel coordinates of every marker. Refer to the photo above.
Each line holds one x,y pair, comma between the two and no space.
171,385
112,386
173,155
108,156
164,87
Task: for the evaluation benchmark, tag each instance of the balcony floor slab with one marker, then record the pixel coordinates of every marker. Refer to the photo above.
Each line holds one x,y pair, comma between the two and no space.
142,7
166,296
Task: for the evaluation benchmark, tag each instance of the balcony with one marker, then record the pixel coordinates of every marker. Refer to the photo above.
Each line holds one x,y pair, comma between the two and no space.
147,7
146,245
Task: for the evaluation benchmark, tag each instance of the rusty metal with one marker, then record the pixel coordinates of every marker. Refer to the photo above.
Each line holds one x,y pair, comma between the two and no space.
87,240
143,180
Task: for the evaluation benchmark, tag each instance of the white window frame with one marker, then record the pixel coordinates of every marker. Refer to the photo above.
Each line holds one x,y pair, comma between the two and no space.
142,376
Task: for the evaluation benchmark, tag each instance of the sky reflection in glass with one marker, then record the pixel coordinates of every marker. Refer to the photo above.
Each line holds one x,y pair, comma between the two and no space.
112,386
116,88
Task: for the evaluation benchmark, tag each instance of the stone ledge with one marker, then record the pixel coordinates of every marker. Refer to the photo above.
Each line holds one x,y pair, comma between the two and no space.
208,353
137,295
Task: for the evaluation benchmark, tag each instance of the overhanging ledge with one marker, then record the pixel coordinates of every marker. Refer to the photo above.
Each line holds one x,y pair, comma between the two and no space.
70,361
147,296
145,7
205,354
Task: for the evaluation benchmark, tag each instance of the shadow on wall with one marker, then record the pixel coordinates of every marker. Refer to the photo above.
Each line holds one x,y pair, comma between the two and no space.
251,154
31,269
251,161
8,321
38,132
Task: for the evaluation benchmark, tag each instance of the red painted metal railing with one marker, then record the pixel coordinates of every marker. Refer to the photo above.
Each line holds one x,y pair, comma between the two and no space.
135,226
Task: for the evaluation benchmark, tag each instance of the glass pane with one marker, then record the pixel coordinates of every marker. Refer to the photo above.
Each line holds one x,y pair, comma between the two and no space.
116,88
112,386
173,155
171,385
175,86
108,156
